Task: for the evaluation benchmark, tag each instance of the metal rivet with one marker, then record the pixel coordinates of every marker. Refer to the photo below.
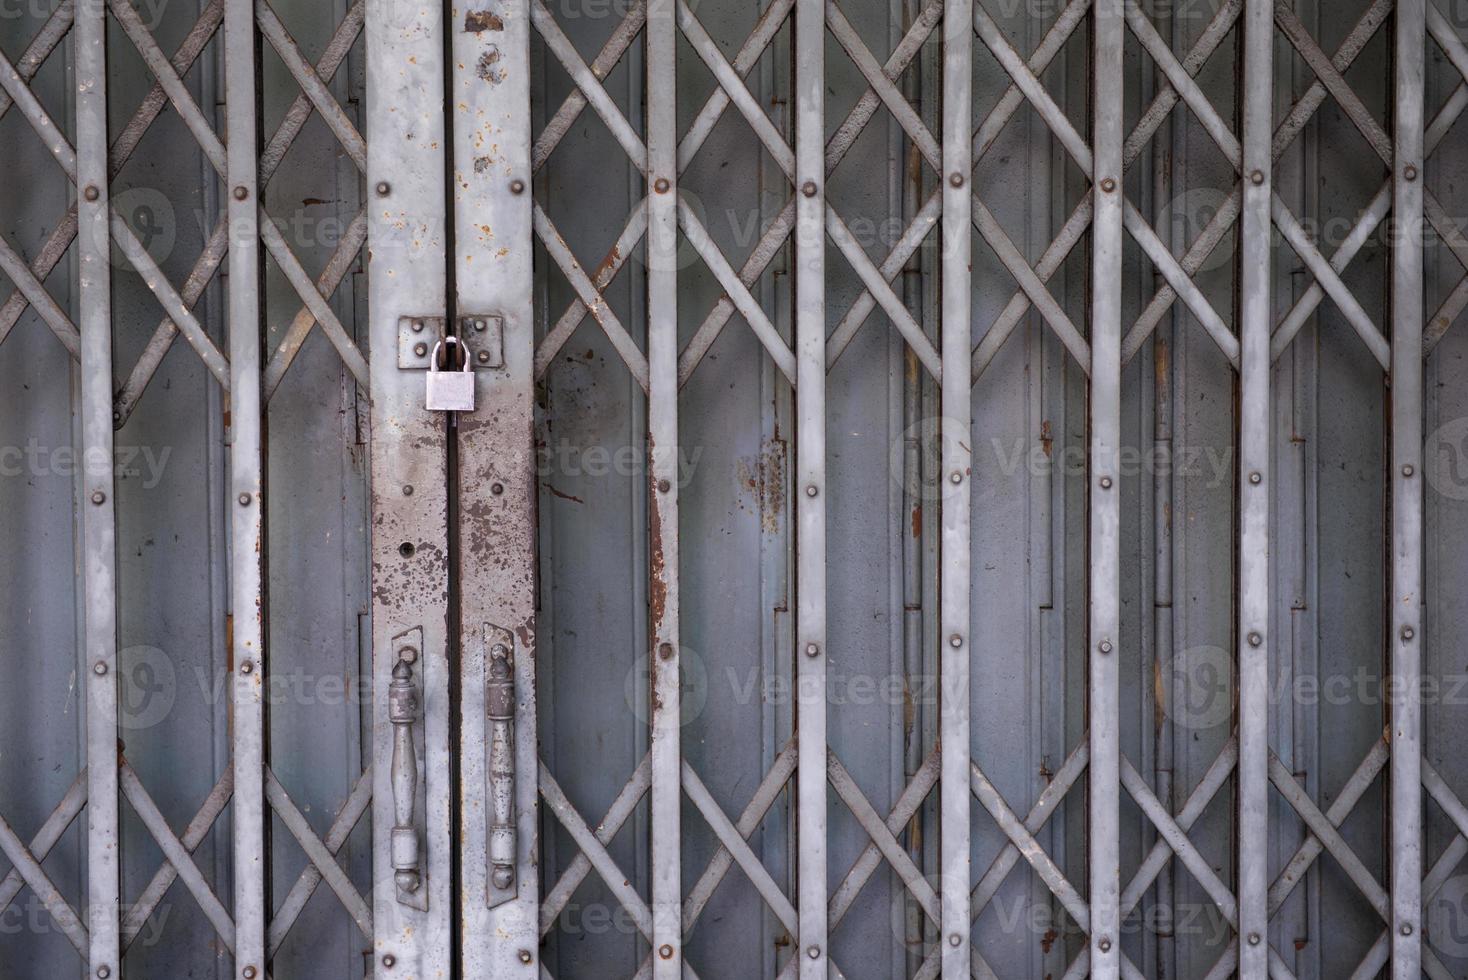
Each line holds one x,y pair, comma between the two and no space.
383,188
1108,185
525,956
665,650
245,499
389,961
1104,646
407,549
420,350
417,326
956,180
248,667
1257,177
408,490
408,654
1255,478
1408,470
664,486
248,973
955,641
99,497
241,192
1106,483
483,357
91,194
665,951
479,326
1253,939
104,972
1410,173
497,488
814,952
809,190
1104,945
517,186
955,940
661,185
99,668
812,650
1255,639
1408,632
810,490
956,477
1406,928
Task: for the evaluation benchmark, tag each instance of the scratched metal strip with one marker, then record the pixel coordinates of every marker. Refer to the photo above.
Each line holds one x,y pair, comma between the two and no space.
247,502
407,283
490,96
99,528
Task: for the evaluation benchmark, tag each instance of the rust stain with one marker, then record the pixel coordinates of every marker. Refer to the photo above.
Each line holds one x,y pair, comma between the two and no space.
917,520
1047,439
564,496
1048,940
488,66
476,21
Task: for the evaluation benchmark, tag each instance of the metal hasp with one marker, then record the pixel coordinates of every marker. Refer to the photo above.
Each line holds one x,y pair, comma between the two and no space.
402,712
499,710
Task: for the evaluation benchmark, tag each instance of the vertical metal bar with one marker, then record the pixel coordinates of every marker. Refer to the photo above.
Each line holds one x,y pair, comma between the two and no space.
955,795
1407,632
99,530
810,469
247,489
407,285
662,448
1104,847
495,487
1253,634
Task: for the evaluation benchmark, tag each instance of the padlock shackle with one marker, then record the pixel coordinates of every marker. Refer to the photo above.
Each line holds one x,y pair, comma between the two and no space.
463,350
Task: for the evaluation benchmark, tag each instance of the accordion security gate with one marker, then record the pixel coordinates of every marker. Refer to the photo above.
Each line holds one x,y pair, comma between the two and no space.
955,488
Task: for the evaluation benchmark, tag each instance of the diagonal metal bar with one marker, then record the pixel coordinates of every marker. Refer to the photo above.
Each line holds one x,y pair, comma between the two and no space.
179,857
575,102
291,124
738,848
311,875
882,837
199,827
30,871
311,84
35,294
48,836
321,856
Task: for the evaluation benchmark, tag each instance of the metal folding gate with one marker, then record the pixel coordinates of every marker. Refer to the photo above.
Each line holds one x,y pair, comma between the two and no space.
946,488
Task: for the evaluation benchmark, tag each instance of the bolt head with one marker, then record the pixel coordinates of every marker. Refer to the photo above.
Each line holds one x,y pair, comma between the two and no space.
955,641
389,961
408,654
248,973
1106,483
1256,478
1406,929
248,667
99,668
814,952
664,486
245,499
1408,632
812,650
956,477
408,490
417,326
1253,939
665,650
497,488
104,972
1257,177
1255,639
1108,185
1408,469
483,357
1410,173
420,350
240,193
99,497
525,956
1104,646
810,490
91,194
661,185
383,188
955,940
665,951
517,186
809,190
1104,945
955,179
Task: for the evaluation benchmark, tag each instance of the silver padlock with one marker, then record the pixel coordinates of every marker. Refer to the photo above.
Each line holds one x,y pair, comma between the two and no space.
451,390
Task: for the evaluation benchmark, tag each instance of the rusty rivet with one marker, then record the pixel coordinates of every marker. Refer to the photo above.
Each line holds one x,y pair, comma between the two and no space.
810,490
99,668
483,357
665,650
245,499
1108,185
497,488
661,185
91,194
389,961
956,477
814,952
955,179
408,490
383,188
99,497
1406,928
1253,939
525,956
417,326
1408,470
1255,639
1257,177
104,972
421,350
664,486
809,190
1104,945
1106,483
517,186
955,940
248,667
1410,173
478,326
955,641
665,951
1255,478
1104,646
241,192
1408,632
812,650
248,973
408,654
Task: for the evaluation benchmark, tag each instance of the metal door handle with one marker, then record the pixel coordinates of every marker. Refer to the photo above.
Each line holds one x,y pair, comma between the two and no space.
499,697
402,712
